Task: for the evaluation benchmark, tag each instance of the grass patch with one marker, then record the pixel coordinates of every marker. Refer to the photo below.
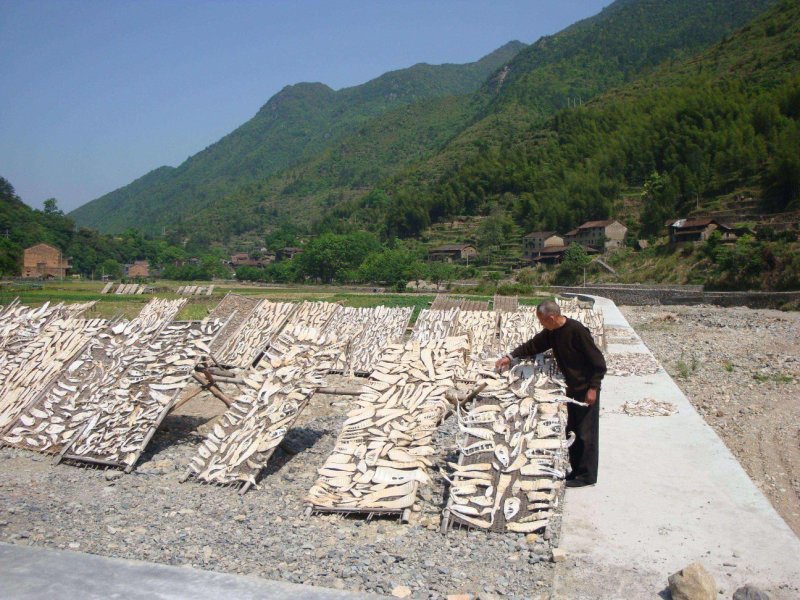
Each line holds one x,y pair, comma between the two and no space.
685,370
773,377
197,307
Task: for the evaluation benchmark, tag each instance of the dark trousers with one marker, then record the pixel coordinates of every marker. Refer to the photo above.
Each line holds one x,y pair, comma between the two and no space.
584,454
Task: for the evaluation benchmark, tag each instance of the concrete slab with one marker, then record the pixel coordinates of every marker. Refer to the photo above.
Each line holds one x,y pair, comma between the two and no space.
669,493
36,573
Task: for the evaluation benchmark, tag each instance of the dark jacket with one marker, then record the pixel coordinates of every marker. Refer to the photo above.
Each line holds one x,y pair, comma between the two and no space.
579,359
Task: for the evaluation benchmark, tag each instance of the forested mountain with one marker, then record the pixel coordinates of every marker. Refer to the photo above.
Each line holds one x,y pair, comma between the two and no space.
294,125
408,151
695,131
685,133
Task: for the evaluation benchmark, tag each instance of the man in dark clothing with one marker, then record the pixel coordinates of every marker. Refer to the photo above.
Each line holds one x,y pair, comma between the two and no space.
583,366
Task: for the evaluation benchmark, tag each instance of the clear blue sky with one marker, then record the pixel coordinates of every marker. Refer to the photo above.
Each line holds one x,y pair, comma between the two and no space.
96,93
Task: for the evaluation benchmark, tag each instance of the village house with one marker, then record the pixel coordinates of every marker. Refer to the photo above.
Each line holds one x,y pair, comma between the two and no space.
602,235
140,269
44,261
242,259
453,253
535,242
697,230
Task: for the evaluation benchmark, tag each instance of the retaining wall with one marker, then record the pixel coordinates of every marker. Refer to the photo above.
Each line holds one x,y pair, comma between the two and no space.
643,296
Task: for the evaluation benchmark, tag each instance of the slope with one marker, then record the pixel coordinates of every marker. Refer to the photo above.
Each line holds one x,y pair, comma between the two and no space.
695,129
293,125
407,151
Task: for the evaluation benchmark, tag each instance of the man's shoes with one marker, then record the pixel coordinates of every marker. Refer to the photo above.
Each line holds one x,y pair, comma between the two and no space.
578,482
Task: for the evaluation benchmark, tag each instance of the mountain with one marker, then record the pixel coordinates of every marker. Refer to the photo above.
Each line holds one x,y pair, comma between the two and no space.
719,123
409,151
294,125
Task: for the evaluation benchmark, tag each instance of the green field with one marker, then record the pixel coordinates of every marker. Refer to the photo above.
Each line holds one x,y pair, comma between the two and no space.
197,307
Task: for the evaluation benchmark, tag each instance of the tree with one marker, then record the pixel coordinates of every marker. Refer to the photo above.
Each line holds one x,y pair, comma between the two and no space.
659,197
111,268
51,207
571,268
331,256
394,266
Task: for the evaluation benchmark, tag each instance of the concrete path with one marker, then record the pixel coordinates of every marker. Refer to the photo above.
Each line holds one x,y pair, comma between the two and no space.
669,493
35,573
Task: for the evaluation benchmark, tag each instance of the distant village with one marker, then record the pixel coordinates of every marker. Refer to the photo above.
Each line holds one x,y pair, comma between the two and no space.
596,238
43,261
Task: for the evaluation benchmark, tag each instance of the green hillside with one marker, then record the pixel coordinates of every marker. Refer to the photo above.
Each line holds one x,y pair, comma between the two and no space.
294,125
409,151
686,133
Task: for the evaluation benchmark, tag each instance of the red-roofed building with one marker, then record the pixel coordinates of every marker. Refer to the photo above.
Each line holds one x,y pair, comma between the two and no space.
138,270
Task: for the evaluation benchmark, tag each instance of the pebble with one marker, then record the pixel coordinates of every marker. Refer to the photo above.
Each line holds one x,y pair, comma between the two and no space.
157,518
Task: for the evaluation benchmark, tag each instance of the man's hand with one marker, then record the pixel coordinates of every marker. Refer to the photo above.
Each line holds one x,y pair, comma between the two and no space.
502,364
591,396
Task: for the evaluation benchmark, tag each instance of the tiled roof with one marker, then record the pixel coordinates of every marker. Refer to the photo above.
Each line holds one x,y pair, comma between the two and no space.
592,224
540,235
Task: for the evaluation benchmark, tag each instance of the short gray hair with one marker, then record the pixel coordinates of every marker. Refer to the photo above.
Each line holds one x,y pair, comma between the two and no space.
548,308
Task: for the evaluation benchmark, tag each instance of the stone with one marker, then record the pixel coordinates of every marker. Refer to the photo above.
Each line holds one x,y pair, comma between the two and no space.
532,538
239,518
750,592
401,591
692,583
459,596
558,555
113,475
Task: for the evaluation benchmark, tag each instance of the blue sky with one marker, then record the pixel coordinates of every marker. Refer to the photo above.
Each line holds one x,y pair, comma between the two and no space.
97,93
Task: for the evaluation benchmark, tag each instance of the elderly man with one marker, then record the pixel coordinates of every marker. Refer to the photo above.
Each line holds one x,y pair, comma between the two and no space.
583,366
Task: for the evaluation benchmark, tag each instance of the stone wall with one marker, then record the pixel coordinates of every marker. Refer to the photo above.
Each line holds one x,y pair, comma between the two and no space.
650,295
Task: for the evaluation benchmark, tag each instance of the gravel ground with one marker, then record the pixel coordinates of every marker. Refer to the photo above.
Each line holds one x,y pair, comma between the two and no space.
740,369
149,515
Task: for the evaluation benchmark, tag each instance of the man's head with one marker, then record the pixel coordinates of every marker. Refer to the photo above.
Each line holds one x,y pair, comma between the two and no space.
549,314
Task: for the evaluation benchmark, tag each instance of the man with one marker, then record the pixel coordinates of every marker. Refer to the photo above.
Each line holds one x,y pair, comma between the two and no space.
583,366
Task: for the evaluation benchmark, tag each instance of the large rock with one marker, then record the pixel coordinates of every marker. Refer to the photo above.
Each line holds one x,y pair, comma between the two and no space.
692,583
750,592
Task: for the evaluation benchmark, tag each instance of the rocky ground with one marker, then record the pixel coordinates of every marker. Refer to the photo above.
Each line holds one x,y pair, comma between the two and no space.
740,368
149,515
